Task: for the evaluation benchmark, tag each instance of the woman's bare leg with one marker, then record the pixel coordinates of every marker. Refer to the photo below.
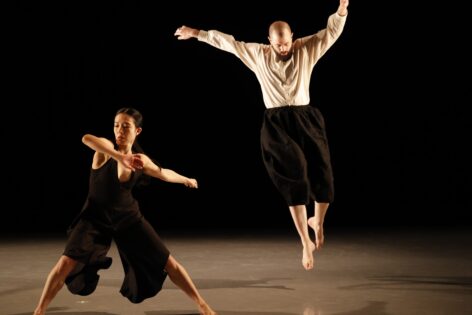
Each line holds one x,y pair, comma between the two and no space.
180,277
316,222
54,283
299,218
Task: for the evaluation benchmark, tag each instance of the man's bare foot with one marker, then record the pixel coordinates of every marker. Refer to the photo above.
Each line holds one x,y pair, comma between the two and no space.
308,260
318,228
206,310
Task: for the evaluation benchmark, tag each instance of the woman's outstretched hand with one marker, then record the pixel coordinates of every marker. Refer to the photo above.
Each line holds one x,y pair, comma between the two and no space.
191,183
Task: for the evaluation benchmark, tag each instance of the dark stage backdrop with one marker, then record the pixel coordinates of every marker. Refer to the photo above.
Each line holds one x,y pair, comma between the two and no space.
397,116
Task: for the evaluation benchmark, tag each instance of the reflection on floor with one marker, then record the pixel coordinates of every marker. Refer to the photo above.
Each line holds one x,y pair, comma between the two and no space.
365,272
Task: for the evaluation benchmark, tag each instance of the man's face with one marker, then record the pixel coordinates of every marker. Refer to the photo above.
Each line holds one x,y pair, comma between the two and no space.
281,41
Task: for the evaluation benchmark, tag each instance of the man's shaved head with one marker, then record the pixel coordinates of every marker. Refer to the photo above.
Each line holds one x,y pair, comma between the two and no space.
279,27
280,37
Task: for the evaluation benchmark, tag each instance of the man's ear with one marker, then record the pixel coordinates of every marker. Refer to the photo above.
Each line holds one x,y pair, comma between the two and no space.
138,130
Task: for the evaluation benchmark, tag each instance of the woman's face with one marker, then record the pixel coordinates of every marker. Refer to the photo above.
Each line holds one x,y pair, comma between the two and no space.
125,129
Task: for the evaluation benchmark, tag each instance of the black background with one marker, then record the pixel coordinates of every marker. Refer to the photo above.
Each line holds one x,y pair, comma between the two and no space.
394,90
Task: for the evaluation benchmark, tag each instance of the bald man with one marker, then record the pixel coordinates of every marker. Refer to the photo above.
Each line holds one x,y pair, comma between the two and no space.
293,136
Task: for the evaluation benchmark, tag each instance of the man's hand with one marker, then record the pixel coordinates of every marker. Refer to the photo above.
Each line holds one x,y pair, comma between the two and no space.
185,32
342,9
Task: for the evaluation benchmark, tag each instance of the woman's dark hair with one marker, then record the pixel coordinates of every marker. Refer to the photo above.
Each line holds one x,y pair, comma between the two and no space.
138,121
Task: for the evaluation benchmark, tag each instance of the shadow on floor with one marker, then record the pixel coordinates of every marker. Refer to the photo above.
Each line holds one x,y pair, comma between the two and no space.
263,283
201,284
420,283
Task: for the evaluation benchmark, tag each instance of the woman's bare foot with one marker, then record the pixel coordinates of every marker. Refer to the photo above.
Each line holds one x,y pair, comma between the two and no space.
308,260
206,310
38,312
318,228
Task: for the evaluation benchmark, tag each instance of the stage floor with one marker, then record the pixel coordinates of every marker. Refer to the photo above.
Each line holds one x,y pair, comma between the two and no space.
358,272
